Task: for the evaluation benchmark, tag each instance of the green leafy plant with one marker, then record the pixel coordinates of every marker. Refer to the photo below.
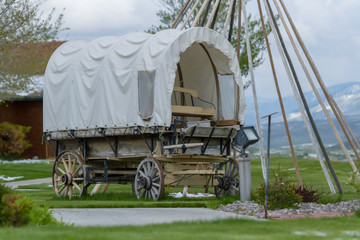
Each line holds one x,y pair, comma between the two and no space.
281,193
352,181
4,190
357,213
17,210
12,139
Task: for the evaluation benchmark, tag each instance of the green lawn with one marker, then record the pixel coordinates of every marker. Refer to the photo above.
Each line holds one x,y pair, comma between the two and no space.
28,171
121,195
333,228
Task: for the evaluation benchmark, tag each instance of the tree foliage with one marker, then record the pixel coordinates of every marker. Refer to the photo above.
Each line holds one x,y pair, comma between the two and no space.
172,8
21,21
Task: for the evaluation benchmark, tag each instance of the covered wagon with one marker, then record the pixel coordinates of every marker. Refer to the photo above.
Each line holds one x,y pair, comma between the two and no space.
151,110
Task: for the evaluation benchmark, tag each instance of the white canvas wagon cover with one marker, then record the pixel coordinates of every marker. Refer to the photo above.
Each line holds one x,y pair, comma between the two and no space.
100,83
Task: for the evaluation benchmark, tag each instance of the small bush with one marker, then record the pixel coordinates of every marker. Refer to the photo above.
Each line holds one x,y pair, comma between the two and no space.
353,182
357,213
12,139
281,193
20,211
308,194
4,190
280,196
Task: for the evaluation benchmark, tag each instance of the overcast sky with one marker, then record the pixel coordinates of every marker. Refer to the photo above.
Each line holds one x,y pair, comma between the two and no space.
330,30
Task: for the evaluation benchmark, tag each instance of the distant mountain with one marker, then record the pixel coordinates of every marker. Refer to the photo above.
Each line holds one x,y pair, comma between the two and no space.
346,95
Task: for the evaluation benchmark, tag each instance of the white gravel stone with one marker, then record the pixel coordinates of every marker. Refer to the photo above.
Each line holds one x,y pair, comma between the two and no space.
254,209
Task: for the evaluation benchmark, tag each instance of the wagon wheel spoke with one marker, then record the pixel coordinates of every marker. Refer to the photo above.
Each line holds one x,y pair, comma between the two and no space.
229,182
76,172
77,186
66,179
232,171
69,165
61,189
149,180
142,173
62,171
156,184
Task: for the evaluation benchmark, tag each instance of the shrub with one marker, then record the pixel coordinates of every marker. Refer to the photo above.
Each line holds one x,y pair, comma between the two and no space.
281,193
353,182
357,213
12,139
4,190
308,194
280,196
20,211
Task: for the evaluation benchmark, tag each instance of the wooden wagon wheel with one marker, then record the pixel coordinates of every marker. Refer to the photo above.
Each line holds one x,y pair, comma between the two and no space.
68,175
149,180
229,183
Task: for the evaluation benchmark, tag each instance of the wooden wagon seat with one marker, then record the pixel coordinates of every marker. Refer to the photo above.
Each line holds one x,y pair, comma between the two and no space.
191,111
219,132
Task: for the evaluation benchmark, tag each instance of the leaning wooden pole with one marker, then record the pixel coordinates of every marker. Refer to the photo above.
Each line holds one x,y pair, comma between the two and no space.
228,18
280,97
322,85
346,125
199,13
232,21
261,145
191,12
312,82
212,14
330,99
238,55
342,118
239,30
202,24
307,109
181,14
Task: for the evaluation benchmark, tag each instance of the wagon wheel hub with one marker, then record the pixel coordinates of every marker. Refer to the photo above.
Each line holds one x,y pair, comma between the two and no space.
224,183
146,183
66,179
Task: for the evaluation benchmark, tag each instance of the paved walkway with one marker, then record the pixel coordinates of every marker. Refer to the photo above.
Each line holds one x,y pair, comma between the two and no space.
139,216
129,216
28,182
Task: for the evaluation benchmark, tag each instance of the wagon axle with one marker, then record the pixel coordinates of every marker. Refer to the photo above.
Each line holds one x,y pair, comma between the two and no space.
66,179
146,183
224,182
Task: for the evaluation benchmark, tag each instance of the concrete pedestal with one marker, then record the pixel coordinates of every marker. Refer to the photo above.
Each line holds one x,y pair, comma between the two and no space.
244,178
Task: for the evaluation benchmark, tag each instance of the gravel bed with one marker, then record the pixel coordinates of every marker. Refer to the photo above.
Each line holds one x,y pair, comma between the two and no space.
254,209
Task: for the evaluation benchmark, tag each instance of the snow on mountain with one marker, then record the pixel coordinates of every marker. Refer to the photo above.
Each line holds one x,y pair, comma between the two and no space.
347,97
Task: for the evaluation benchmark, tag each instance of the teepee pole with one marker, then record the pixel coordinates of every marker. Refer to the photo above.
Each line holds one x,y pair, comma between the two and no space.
280,98
212,13
261,145
322,85
313,86
239,30
191,12
206,13
199,13
181,14
346,125
232,21
328,96
238,56
228,18
296,94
